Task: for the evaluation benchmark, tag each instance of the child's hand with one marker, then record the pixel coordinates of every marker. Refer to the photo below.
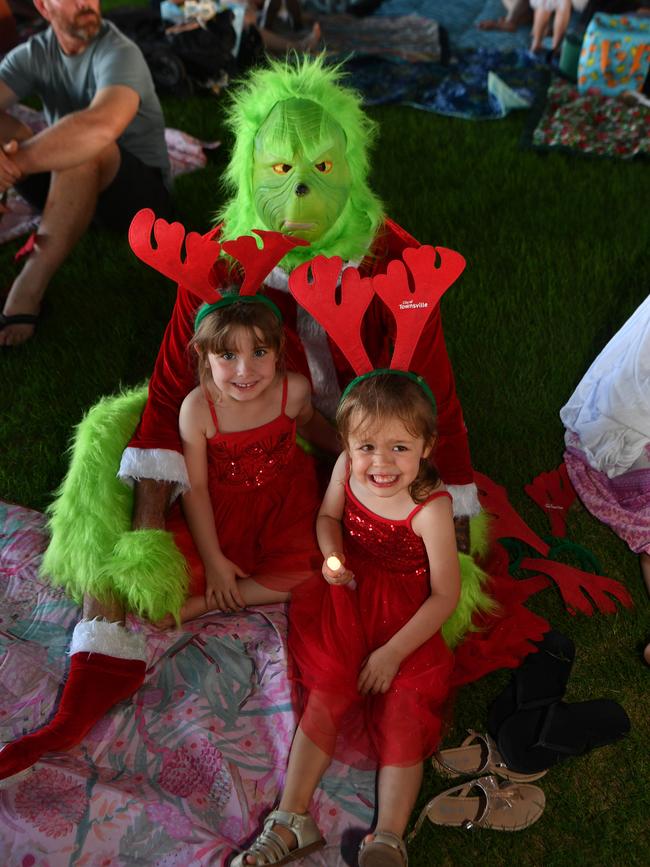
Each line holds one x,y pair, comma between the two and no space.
378,671
221,591
339,575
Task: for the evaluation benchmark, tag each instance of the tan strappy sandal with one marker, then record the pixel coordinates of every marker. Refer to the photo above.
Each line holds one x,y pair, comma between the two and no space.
478,754
384,850
501,806
269,847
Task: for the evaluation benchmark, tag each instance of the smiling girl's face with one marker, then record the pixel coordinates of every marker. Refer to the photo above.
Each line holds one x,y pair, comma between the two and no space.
385,459
245,370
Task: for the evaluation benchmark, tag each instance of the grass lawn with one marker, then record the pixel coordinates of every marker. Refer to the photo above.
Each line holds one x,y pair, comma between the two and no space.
557,259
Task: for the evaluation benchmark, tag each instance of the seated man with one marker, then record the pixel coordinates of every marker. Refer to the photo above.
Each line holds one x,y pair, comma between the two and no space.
102,156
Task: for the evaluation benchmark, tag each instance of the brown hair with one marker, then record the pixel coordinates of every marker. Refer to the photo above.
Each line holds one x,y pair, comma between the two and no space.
387,396
216,333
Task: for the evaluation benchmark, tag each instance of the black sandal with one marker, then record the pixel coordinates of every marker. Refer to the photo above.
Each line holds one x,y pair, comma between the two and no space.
540,681
18,319
533,740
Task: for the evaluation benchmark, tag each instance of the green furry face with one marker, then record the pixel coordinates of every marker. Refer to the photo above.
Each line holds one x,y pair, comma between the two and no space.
301,178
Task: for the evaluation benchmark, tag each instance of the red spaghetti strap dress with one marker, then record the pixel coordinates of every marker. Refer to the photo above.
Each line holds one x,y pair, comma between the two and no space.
265,497
333,629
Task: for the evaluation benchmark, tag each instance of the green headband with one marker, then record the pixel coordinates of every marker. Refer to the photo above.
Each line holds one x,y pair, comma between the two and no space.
233,298
407,373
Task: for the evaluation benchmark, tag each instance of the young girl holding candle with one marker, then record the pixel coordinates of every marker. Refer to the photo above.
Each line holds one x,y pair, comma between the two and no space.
370,658
249,532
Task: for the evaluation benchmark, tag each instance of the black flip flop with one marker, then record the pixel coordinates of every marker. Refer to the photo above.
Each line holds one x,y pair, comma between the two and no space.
533,740
539,681
18,319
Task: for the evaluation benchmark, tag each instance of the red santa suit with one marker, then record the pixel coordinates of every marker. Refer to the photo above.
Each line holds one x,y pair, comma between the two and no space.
155,450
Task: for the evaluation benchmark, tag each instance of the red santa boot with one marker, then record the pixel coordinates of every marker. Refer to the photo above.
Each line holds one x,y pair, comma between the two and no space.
107,666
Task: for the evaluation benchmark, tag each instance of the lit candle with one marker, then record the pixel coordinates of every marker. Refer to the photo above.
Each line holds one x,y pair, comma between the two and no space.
334,563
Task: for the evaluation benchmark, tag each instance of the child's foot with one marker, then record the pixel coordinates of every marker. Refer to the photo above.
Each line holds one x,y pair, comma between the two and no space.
286,836
383,849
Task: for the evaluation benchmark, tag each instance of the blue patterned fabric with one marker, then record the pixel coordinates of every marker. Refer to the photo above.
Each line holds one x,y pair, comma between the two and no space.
457,90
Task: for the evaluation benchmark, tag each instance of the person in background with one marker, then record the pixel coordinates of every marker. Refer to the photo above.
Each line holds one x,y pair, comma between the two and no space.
102,156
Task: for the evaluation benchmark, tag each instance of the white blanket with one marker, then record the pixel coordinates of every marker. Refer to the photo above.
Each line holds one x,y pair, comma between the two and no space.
610,409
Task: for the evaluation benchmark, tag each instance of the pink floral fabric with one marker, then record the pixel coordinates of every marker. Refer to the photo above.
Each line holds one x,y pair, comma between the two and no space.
623,502
181,774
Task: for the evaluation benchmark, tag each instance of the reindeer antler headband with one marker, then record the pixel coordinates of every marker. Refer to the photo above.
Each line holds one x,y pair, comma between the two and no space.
411,296
195,270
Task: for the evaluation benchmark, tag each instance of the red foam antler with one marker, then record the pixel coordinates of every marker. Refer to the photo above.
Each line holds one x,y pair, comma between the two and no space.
195,271
554,493
258,263
341,319
412,307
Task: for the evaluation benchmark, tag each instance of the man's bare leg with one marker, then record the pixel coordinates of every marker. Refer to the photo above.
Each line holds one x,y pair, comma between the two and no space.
70,207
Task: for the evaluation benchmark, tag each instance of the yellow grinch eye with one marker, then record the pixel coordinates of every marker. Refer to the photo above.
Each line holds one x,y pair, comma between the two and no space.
282,168
325,167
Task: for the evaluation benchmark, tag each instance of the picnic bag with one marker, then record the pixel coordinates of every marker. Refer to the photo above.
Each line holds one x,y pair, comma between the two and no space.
615,54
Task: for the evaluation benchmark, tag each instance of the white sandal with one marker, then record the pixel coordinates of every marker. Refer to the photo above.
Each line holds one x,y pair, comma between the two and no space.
269,847
384,850
476,756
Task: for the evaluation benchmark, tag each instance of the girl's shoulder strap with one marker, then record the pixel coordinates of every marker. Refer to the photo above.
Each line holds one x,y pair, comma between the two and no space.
434,495
213,411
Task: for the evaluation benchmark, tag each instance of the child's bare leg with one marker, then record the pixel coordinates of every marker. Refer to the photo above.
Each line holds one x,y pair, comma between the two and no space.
560,24
307,764
193,607
540,25
397,792
254,593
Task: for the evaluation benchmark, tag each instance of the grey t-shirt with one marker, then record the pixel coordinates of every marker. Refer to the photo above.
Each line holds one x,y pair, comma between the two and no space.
68,83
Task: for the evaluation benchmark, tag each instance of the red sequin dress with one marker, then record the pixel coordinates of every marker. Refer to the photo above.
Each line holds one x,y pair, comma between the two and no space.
265,497
332,630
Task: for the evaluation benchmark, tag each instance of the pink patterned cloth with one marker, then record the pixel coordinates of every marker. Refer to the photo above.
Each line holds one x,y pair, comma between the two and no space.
622,502
184,772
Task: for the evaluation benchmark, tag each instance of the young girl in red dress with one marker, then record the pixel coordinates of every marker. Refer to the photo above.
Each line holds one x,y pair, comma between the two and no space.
248,534
366,641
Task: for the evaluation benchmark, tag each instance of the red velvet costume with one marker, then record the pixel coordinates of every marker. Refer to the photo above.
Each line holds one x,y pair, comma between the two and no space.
174,374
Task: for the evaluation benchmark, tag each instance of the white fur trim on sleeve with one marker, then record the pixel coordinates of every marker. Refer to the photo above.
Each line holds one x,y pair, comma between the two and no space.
465,500
162,465
111,639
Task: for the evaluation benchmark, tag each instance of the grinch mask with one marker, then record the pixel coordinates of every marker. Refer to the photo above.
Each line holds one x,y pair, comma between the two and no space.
299,163
301,178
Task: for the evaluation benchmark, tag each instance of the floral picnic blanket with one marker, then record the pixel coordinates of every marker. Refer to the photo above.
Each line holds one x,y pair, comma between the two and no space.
592,123
183,772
